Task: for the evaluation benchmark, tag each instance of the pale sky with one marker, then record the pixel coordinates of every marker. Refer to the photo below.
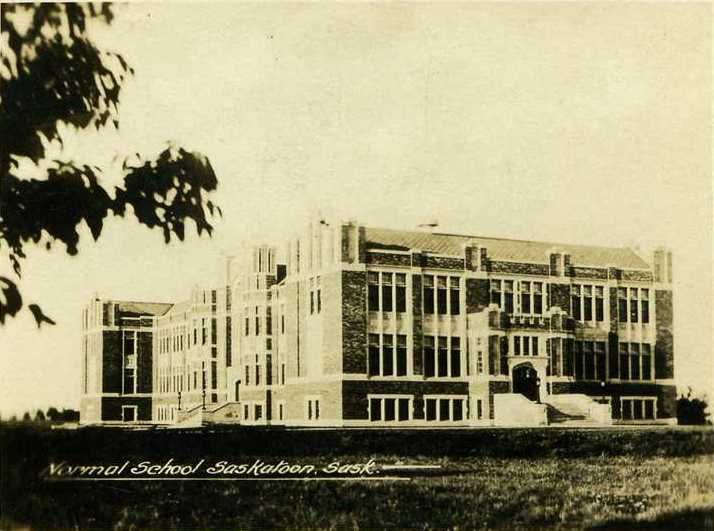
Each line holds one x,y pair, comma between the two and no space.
580,123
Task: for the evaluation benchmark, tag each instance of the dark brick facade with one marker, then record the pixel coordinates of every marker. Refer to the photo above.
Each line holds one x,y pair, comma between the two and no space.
402,260
664,346
144,360
354,322
477,294
417,320
588,272
560,296
518,268
354,394
443,262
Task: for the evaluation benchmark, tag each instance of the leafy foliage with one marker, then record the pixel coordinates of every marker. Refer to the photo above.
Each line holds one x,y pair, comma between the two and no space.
692,410
52,74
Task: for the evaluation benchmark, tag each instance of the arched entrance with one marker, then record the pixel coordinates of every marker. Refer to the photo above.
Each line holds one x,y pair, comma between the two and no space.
525,381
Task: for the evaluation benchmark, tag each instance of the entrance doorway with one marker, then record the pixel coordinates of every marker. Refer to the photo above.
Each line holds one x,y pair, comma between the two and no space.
526,381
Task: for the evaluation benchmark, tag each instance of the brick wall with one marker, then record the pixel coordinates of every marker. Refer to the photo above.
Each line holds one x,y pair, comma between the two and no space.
477,294
354,322
403,260
417,320
518,268
664,348
560,296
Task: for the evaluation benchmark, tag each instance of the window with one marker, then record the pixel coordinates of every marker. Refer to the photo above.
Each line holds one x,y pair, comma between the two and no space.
281,411
578,355
258,412
204,332
319,295
496,292
214,331
401,355
257,375
634,361
429,357
441,295
600,360
589,360
508,296
373,291
247,321
442,359
374,365
479,409
389,408
637,408
525,297
646,362
479,362
624,362
633,305
455,357
282,374
588,303
538,298
516,345
443,409
454,296
246,412
312,302
622,304
269,320
387,292
313,409
644,301
575,299
428,292
599,304
401,289
257,322
214,375
247,376
387,355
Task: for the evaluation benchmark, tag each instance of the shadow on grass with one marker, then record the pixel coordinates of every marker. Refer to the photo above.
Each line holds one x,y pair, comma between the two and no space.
687,520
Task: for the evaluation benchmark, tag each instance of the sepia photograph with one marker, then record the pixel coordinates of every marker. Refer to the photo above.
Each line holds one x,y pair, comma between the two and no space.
356,265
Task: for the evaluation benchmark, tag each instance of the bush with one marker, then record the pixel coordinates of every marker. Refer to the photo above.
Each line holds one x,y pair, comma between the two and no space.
691,411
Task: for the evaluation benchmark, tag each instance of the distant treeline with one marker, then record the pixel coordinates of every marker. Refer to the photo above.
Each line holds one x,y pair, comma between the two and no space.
51,415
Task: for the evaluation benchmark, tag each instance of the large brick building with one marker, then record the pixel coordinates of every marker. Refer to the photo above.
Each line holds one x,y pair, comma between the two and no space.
357,326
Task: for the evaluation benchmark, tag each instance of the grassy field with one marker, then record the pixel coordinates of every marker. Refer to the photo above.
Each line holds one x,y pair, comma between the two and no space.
617,479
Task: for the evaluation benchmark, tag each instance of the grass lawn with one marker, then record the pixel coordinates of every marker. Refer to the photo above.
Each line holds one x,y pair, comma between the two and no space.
651,479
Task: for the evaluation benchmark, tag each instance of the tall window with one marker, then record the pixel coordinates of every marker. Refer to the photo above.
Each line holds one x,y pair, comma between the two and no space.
496,292
525,297
441,295
389,409
633,305
442,359
634,361
429,357
622,304
428,294
600,360
508,296
575,302
373,291
645,302
624,362
374,355
401,291
454,296
599,304
387,355
387,292
268,320
455,357
479,362
538,298
401,355
247,321
588,303
257,322
589,360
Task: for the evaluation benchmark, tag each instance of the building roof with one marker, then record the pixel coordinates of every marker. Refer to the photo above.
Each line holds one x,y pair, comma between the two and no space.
143,308
502,248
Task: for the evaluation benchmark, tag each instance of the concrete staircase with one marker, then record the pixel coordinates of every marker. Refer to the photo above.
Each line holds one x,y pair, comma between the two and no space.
576,410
